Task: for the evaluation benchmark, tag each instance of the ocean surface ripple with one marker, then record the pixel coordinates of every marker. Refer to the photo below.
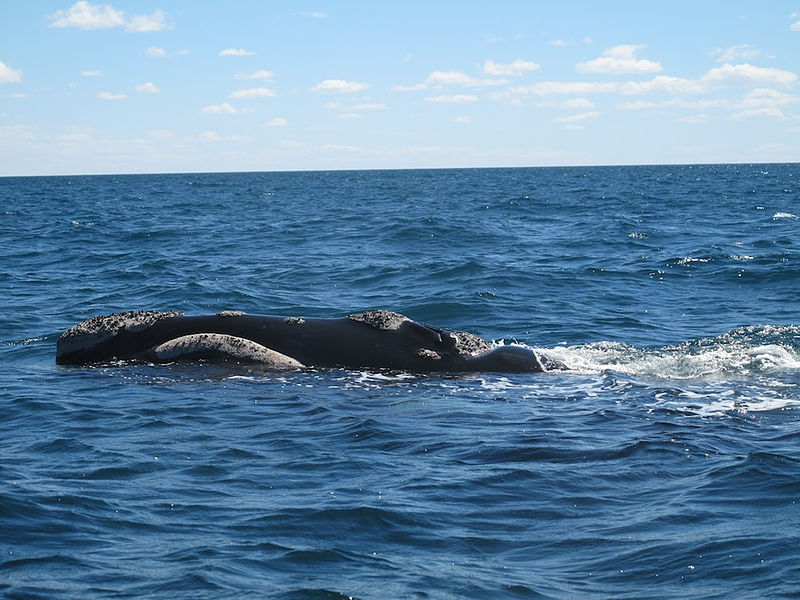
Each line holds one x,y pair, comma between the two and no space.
663,462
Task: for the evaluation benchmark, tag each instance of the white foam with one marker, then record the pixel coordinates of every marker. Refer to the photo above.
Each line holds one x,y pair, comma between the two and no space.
722,402
747,370
687,260
745,350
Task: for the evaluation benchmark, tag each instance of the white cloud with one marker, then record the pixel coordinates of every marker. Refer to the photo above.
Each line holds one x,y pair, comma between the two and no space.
9,75
771,112
620,59
157,52
263,74
147,23
462,119
760,102
681,103
110,96
147,88
236,52
796,25
516,67
317,14
569,104
663,84
84,15
19,95
340,86
259,92
580,117
220,109
740,51
562,88
88,16
276,122
747,73
761,97
645,105
453,99
438,79
87,73
441,78
349,116
726,75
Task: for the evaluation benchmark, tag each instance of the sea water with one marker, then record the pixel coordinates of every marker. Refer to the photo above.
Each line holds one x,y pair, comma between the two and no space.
664,462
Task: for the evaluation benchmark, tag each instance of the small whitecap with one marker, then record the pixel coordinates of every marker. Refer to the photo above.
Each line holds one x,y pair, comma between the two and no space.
741,405
687,260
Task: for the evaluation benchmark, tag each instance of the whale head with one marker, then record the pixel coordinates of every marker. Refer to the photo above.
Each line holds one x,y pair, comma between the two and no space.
507,359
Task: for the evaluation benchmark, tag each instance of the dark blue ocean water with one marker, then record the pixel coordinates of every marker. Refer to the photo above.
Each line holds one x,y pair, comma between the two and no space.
664,463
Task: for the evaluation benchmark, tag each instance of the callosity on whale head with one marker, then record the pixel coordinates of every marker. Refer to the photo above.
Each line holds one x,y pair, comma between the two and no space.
95,339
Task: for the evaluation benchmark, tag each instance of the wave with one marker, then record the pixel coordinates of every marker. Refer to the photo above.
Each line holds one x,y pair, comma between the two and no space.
751,349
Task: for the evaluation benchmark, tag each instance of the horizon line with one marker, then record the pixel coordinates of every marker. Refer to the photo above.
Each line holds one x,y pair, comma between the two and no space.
368,169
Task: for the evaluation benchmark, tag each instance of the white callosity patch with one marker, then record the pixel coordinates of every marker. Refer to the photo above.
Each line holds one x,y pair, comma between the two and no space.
230,313
469,343
96,330
380,319
294,321
228,346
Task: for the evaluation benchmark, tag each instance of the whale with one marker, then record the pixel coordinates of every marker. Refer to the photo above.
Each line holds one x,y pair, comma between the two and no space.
371,340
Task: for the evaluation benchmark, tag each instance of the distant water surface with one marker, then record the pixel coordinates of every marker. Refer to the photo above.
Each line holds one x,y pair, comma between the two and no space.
665,462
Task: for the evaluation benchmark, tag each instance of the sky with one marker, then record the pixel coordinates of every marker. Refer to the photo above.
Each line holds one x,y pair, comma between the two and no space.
244,85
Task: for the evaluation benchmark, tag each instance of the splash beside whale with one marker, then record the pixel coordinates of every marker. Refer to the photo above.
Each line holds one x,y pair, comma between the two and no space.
376,339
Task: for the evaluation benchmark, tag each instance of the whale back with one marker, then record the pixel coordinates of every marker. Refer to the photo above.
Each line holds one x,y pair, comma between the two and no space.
371,340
